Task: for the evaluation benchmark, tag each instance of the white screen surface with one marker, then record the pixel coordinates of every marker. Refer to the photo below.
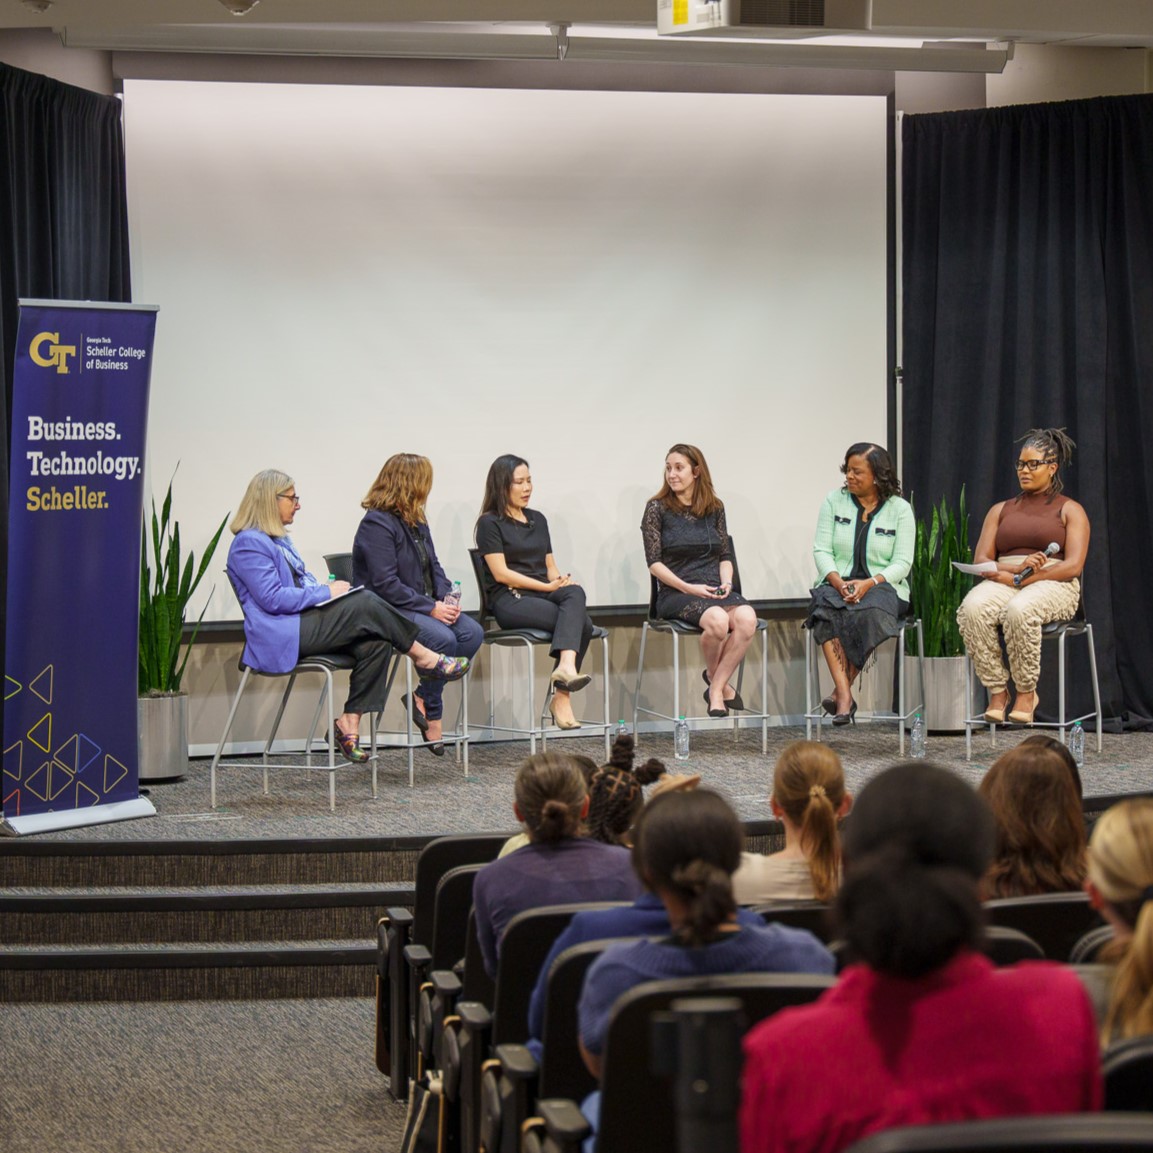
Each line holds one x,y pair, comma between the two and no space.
579,277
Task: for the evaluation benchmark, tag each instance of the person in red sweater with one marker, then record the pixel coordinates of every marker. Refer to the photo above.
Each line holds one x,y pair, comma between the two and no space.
922,1028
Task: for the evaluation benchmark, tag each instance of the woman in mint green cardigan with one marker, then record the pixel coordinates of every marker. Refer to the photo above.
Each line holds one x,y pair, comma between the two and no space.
863,550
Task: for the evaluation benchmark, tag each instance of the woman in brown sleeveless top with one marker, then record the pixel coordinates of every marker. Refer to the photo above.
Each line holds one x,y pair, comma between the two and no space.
1018,534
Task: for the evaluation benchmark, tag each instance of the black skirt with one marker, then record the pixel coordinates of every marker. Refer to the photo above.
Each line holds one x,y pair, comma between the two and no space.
860,627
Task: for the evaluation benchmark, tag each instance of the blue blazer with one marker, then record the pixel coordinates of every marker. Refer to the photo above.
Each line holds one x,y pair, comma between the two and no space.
261,574
385,560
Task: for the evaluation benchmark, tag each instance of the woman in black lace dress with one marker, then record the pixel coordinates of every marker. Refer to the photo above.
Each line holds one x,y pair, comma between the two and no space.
687,550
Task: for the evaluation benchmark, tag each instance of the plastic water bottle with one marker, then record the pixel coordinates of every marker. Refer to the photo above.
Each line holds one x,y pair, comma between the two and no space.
622,728
1077,744
681,740
452,597
917,738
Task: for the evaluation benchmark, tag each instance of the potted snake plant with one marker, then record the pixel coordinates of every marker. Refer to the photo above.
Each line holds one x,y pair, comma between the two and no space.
166,587
937,589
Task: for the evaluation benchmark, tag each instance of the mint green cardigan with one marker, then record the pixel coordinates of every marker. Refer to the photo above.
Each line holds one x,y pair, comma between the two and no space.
888,551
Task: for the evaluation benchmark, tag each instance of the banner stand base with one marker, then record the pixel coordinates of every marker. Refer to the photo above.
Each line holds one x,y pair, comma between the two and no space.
75,818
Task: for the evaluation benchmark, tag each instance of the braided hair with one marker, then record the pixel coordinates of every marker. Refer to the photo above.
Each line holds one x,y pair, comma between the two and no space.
1055,444
615,797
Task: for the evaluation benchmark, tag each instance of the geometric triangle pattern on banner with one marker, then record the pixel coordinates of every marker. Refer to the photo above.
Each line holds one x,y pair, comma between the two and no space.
11,687
41,685
49,781
114,773
14,760
40,734
77,753
85,797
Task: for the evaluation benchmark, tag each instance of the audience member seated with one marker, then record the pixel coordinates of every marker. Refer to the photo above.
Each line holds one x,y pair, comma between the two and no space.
1120,885
923,1029
1040,827
645,917
615,793
558,866
809,799
687,848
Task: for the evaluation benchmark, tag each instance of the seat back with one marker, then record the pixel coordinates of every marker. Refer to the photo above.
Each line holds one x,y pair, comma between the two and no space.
1127,1067
478,571
1064,1133
1005,946
450,916
1088,946
339,565
478,985
815,916
636,1104
562,1071
526,943
435,859
1054,920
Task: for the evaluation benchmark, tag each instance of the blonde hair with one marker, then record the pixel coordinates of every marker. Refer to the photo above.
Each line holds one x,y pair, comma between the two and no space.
809,785
1121,869
258,509
402,487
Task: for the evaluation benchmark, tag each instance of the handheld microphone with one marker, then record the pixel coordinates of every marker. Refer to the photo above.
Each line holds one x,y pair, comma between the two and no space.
1053,549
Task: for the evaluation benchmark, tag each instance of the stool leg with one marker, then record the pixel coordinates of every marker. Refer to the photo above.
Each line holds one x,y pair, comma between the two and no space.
605,680
640,675
228,729
1096,684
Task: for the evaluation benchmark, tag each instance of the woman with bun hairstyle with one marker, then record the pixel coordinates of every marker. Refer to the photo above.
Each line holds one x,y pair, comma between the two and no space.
1120,885
921,1029
687,846
558,866
809,799
1040,824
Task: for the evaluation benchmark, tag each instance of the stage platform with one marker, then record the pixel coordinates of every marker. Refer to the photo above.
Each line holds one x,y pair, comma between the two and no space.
445,801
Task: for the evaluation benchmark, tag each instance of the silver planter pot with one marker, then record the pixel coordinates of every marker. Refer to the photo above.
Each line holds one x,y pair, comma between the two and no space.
945,686
162,736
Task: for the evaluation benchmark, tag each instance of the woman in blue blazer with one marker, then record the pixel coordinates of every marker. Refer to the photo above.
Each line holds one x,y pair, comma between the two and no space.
287,614
393,555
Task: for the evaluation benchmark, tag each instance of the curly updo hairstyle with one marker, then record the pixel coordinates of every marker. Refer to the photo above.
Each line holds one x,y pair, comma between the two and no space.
915,850
550,797
615,796
1055,444
689,844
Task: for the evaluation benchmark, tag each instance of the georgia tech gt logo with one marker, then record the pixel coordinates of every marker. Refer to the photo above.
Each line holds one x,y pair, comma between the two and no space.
48,353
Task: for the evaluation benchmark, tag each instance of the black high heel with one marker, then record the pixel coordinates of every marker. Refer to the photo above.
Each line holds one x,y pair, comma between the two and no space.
734,702
846,718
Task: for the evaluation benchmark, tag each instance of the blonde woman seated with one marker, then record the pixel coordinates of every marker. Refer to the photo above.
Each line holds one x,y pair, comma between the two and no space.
1120,885
809,799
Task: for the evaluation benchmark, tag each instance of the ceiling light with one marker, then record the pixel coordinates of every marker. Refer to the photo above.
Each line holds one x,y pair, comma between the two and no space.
240,7
37,6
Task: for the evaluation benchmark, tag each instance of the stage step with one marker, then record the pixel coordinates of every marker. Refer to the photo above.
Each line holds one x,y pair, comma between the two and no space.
181,972
88,916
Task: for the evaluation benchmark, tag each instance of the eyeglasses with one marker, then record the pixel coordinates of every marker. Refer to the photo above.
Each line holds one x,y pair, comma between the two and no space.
288,496
1033,465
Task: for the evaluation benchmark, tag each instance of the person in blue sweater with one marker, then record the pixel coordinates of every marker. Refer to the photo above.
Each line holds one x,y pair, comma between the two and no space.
686,849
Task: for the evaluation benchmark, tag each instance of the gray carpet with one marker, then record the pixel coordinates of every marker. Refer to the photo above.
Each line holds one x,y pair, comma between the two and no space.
444,801
195,1077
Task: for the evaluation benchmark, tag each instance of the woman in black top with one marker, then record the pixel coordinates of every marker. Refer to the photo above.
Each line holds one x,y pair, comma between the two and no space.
525,588
687,549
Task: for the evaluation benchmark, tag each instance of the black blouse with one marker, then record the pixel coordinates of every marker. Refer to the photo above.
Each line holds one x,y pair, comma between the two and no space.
525,546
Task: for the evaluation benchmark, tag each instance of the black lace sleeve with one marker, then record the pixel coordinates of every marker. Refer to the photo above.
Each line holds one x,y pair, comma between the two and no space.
723,533
651,532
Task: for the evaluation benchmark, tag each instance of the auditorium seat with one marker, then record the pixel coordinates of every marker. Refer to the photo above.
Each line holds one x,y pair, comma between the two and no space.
1065,1133
1054,920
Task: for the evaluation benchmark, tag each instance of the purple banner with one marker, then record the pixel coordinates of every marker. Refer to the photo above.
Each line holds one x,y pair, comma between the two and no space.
79,415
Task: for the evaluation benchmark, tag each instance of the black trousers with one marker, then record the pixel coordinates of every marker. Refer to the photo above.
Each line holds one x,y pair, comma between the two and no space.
368,628
560,612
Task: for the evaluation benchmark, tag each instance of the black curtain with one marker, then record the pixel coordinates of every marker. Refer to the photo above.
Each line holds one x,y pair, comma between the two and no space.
1028,301
63,218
